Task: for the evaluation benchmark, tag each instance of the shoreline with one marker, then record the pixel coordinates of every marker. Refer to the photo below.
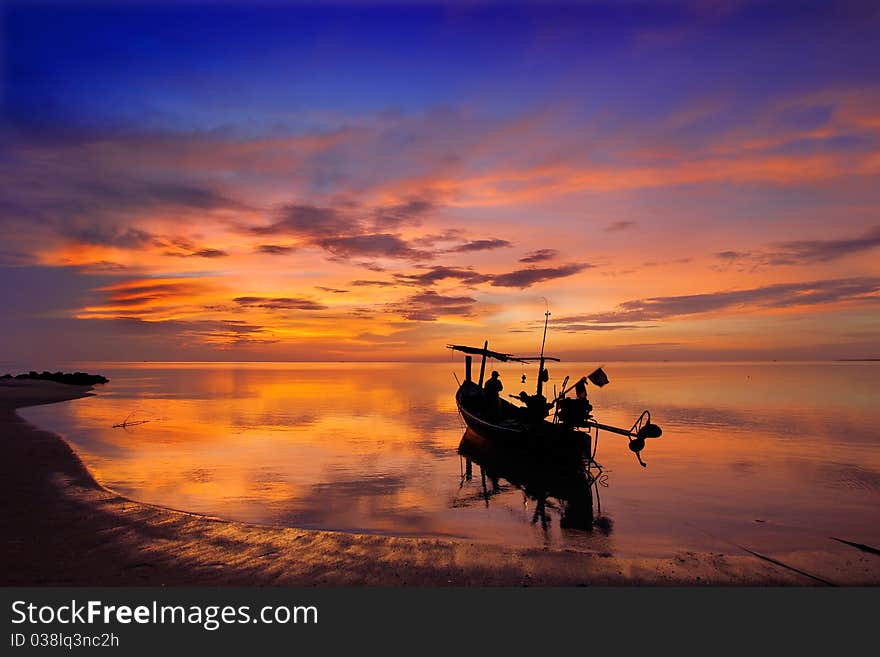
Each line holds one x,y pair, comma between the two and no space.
61,527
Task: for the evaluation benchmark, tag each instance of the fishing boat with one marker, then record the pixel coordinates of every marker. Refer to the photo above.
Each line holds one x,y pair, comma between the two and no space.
561,425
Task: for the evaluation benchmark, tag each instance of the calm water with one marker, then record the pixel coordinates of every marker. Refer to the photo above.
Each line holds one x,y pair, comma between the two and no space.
770,455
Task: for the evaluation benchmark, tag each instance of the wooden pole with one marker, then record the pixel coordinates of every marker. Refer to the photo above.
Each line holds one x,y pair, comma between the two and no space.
541,364
608,427
467,368
483,362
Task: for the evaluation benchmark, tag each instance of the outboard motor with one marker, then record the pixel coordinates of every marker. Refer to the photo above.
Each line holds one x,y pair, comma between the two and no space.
643,429
650,430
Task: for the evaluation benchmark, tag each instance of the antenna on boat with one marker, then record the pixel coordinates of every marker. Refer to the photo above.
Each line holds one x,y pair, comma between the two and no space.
543,342
546,319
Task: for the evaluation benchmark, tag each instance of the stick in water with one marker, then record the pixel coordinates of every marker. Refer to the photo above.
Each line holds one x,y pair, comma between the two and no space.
858,546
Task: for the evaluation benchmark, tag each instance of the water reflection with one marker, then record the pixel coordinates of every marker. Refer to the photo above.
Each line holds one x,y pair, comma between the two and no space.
375,448
559,482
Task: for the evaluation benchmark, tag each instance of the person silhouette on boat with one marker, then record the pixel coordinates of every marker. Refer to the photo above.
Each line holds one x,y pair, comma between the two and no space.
575,412
535,407
580,388
493,388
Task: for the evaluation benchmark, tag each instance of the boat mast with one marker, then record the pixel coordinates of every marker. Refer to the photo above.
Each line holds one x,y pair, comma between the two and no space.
541,362
483,362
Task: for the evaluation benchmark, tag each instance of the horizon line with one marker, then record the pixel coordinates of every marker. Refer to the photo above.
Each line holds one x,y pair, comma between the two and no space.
422,361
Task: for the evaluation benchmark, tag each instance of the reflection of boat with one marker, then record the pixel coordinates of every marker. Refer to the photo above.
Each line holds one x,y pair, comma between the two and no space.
568,429
540,475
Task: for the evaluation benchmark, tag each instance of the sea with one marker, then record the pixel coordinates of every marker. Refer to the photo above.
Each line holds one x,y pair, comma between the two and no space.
767,456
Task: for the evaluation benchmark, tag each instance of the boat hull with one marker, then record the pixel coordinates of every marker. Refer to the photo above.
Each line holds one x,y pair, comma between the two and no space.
507,425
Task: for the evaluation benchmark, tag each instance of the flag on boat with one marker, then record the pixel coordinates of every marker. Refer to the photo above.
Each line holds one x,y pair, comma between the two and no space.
598,378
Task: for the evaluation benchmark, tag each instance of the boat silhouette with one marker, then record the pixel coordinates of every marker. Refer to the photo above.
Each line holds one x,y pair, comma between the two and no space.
561,424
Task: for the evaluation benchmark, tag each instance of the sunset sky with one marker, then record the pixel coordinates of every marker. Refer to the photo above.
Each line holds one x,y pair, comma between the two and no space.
680,180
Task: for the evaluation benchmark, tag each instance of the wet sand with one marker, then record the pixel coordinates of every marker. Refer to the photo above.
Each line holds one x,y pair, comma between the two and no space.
61,527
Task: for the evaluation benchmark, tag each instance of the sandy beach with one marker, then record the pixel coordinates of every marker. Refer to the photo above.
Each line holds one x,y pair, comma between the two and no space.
61,527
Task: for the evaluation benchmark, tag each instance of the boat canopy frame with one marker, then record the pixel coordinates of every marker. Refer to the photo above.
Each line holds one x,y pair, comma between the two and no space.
497,355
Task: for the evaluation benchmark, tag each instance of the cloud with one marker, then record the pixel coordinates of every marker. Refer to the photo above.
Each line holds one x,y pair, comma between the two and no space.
340,233
279,303
372,283
221,334
539,256
577,328
807,251
307,221
153,289
523,278
93,202
200,253
428,306
332,290
618,226
375,245
393,216
115,236
480,245
732,256
149,297
347,232
186,248
782,295
274,249
802,252
124,192
432,275
210,253
227,332
366,264
805,117
100,267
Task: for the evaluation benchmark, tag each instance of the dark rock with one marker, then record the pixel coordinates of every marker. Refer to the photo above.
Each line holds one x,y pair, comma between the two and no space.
76,378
